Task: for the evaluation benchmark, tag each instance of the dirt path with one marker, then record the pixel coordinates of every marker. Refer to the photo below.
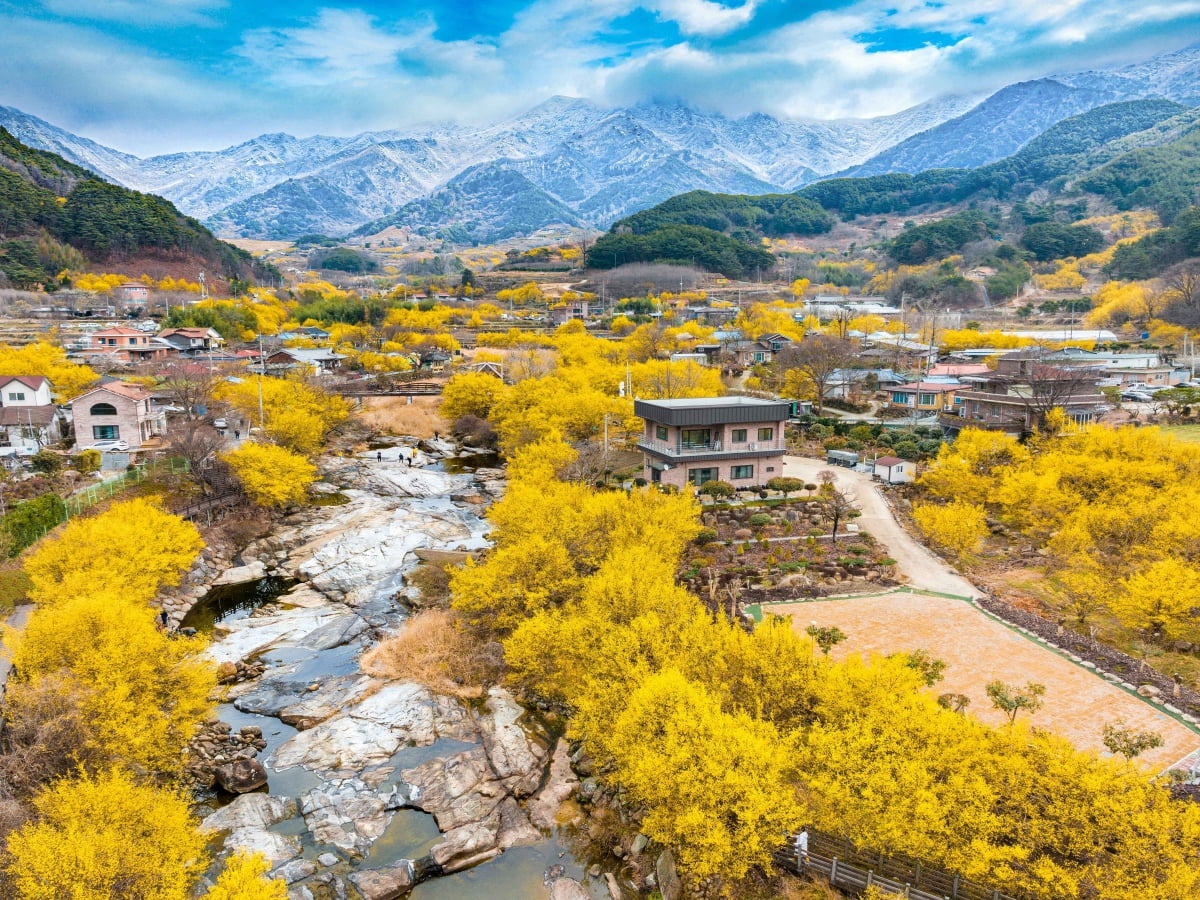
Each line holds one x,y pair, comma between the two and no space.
978,649
917,566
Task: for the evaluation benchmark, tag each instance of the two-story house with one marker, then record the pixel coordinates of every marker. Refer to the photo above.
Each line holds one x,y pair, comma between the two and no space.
29,420
116,411
126,344
1025,386
735,439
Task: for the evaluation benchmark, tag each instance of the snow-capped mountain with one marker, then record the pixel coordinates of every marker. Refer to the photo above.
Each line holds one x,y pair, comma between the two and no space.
571,161
1015,115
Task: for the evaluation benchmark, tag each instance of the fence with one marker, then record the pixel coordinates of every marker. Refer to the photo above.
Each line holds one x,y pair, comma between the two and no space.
849,868
90,496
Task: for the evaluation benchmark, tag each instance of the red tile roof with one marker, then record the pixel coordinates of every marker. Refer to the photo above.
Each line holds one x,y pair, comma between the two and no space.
30,381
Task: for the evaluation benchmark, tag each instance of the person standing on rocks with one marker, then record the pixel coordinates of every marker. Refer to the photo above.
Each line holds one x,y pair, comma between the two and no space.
379,456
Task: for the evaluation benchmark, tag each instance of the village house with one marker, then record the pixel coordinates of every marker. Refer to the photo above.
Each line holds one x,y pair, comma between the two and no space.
116,411
125,344
927,396
315,361
1024,386
192,341
29,420
894,470
739,440
133,293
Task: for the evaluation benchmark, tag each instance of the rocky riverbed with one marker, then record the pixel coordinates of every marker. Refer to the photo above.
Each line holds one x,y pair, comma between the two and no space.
378,789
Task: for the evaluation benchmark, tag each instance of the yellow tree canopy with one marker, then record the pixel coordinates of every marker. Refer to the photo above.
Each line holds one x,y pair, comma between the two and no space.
129,551
142,693
244,878
271,476
66,378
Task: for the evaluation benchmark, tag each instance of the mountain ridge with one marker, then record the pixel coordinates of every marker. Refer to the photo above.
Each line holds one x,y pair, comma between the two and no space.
599,164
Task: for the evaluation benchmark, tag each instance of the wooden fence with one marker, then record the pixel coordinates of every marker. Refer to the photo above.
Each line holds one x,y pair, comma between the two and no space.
854,870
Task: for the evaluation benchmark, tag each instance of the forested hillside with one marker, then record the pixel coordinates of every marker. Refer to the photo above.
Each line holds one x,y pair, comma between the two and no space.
1072,147
740,215
55,215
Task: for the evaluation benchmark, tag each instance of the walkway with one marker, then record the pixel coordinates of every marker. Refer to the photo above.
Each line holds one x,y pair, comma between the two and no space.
16,619
916,565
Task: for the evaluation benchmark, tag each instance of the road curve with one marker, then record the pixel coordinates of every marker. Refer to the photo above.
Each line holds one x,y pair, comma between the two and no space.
917,566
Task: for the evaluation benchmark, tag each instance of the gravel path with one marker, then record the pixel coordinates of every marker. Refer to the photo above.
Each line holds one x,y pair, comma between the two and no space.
917,566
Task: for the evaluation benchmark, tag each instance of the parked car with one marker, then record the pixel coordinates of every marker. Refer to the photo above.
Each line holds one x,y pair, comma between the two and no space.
108,446
1137,396
220,424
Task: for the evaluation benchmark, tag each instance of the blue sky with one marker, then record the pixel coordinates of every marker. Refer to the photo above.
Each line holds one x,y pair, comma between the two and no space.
154,76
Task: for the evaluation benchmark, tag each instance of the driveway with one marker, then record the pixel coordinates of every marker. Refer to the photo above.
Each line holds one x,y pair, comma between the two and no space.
917,566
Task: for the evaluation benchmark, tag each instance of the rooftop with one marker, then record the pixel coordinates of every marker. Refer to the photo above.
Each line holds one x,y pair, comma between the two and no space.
711,402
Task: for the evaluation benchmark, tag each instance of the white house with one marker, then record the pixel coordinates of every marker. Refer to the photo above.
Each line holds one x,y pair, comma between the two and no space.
29,420
894,470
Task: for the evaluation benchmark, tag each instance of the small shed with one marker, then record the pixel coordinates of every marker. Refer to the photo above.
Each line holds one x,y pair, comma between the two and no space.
846,458
894,470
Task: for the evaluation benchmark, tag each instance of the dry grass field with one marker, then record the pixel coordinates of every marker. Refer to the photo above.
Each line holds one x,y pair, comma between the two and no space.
395,415
978,649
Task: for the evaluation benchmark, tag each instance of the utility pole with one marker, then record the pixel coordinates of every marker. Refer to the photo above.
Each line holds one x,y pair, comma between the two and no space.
262,373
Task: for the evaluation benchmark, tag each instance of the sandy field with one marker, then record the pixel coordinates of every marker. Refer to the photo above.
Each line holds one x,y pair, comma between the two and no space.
979,649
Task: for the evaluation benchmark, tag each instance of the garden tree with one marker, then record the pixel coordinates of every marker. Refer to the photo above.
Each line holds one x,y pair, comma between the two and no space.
270,475
190,386
244,878
298,416
1122,740
826,637
141,694
926,666
786,485
817,358
954,702
197,442
108,836
1159,599
716,489
714,784
957,527
1011,699
1081,588
835,505
967,468
128,551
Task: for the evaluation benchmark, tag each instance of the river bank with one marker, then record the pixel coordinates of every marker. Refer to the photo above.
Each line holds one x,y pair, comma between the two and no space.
378,788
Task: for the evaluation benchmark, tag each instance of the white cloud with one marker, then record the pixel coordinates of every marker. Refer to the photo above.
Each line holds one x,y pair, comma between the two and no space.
704,17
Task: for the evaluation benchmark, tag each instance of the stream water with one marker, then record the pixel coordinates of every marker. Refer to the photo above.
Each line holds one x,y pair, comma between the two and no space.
517,874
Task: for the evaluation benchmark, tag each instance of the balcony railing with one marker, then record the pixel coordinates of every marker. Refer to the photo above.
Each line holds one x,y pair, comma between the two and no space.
680,448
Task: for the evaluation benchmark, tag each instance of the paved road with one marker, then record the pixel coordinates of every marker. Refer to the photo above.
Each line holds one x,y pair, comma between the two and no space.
16,619
917,566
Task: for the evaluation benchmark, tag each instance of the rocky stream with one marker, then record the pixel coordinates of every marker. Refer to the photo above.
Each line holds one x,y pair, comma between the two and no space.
354,786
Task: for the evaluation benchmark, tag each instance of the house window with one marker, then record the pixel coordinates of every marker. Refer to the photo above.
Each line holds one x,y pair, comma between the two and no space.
660,432
739,435
695,438
14,395
106,432
103,409
766,434
926,399
699,476
132,341
740,472
900,397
